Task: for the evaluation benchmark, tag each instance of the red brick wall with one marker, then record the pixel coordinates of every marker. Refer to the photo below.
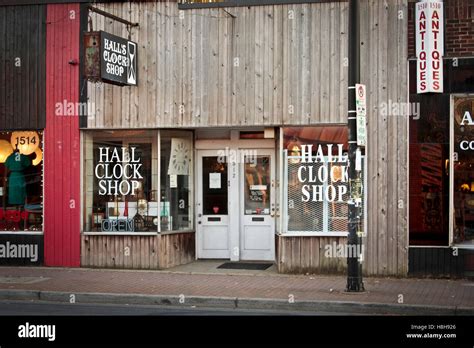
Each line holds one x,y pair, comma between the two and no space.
458,29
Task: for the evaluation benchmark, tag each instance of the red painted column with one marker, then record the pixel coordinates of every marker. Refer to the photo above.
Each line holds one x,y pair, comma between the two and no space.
62,139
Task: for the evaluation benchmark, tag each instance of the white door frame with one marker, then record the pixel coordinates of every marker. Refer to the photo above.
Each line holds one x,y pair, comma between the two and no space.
203,221
244,220
233,182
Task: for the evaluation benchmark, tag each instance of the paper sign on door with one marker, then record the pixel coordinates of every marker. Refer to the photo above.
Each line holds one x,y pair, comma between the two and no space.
214,180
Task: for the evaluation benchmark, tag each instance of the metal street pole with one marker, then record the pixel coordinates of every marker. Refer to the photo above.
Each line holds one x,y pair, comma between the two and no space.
354,268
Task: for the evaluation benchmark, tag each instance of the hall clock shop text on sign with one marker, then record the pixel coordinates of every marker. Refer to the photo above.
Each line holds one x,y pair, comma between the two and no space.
110,58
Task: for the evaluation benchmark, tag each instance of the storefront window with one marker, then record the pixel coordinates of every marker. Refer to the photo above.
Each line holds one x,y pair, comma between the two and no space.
21,186
121,181
176,181
463,171
429,169
316,179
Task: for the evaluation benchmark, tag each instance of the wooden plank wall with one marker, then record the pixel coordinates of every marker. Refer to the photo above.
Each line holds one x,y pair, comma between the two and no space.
384,70
176,249
270,65
307,255
137,252
134,252
22,67
290,71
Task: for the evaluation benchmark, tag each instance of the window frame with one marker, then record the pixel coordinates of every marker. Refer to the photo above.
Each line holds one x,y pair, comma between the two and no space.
287,233
154,137
42,142
452,98
93,135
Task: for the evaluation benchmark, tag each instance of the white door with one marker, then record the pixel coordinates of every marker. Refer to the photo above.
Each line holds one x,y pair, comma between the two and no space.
213,232
257,207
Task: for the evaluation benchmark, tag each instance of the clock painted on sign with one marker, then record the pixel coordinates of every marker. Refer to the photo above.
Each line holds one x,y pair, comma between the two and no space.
180,157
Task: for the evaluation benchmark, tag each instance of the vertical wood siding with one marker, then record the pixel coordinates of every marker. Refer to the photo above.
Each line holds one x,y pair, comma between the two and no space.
137,252
270,65
307,255
384,71
62,142
22,67
274,65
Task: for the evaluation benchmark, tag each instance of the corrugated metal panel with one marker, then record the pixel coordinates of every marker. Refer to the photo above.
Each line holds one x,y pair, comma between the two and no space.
62,142
22,67
439,262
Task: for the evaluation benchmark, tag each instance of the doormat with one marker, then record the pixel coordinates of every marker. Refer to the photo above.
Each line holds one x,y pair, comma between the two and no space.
243,265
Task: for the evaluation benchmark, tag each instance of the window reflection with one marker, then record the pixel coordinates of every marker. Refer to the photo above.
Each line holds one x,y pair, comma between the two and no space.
257,186
215,190
463,185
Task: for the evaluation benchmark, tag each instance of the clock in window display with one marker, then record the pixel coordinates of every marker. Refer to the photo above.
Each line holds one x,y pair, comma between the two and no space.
180,158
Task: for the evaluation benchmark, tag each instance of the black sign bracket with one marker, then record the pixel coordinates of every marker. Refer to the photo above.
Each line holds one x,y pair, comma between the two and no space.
111,16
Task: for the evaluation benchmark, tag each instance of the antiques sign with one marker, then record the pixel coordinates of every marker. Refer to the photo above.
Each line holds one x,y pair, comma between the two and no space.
429,46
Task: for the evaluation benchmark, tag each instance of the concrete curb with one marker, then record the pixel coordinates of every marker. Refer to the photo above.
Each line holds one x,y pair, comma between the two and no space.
234,303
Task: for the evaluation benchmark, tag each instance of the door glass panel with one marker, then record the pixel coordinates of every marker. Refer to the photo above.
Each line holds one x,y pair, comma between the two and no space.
214,183
257,185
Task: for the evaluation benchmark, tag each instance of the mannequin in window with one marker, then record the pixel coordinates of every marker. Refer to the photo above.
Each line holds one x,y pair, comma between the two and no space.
16,163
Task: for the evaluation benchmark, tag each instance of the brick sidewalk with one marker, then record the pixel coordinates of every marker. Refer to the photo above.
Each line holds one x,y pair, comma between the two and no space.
428,292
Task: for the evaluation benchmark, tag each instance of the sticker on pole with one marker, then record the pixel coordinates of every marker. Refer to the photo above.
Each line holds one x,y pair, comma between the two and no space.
361,113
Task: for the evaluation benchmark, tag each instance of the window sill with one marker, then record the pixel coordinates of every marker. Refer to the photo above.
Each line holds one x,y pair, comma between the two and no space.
175,232
134,233
468,246
314,234
22,233
120,233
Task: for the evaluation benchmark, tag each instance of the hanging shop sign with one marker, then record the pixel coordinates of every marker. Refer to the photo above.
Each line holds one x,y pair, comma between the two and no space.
429,46
361,114
110,58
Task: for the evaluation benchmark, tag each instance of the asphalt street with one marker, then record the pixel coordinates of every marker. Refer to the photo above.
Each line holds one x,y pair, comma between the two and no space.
27,308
